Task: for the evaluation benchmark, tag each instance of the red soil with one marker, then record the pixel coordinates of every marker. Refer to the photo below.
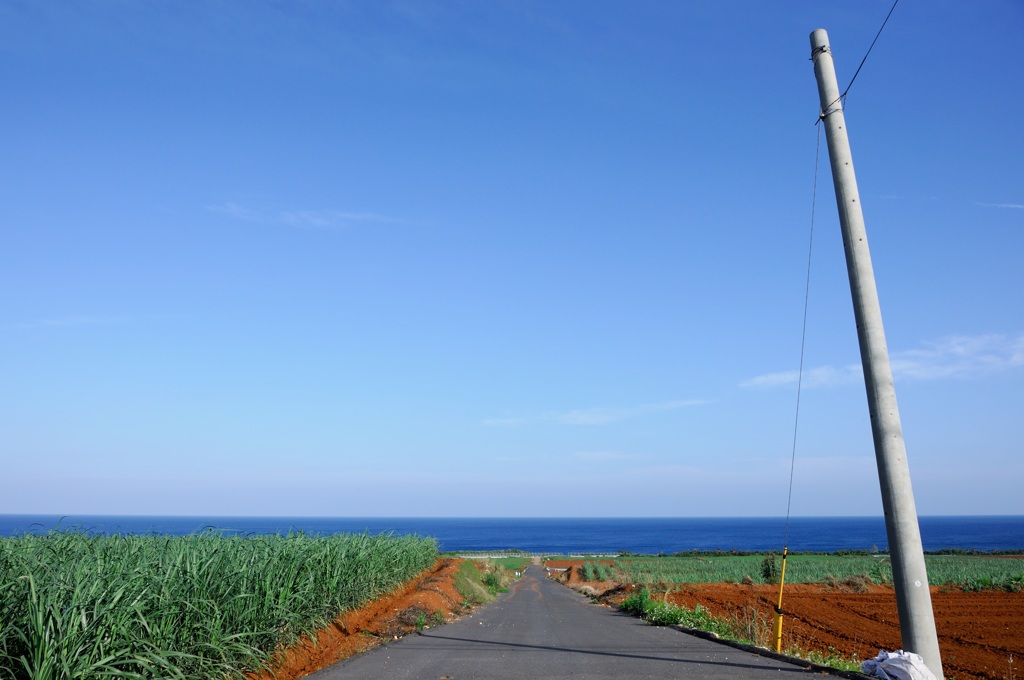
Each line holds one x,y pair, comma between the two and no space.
564,564
387,618
981,634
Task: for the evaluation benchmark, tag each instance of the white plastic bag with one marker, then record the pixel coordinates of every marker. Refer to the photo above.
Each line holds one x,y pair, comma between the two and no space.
897,665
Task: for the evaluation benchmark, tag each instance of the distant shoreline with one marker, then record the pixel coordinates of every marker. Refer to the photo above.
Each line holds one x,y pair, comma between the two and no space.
581,536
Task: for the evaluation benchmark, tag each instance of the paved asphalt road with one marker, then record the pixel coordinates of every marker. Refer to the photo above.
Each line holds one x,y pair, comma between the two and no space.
541,629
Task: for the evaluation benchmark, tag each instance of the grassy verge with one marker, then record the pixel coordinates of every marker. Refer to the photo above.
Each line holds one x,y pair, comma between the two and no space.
480,580
470,584
751,627
75,605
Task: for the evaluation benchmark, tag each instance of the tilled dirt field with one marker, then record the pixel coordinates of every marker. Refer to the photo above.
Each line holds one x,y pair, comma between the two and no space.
981,634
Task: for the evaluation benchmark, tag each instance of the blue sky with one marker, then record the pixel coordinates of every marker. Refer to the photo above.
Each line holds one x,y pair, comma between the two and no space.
503,259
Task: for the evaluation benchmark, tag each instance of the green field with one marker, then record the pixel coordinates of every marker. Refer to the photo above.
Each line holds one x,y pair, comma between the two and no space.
597,571
512,563
970,572
74,605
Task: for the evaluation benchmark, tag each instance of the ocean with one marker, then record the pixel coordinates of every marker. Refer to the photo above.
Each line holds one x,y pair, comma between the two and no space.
575,535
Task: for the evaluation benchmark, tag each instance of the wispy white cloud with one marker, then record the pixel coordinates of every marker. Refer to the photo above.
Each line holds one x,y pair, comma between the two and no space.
822,376
300,219
1013,206
961,356
601,415
956,356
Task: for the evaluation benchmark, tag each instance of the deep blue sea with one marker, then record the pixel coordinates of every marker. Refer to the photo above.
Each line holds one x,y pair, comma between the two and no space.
573,535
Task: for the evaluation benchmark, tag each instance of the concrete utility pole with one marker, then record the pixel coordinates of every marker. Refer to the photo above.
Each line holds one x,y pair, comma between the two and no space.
910,578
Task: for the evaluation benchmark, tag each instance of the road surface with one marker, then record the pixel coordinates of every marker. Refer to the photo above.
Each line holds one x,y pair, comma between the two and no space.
541,629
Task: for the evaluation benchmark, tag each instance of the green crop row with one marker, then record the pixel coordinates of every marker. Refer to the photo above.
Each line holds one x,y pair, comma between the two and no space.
596,571
77,605
964,571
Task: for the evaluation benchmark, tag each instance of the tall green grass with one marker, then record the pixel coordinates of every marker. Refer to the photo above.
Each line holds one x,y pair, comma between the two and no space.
77,605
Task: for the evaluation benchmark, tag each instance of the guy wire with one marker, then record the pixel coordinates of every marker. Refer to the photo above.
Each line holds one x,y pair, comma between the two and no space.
777,627
807,288
803,337
841,100
842,97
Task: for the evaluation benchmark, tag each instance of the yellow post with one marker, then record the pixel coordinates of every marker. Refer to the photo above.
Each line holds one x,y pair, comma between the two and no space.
777,628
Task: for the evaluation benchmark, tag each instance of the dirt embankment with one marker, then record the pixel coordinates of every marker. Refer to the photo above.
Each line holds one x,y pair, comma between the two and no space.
981,634
427,601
